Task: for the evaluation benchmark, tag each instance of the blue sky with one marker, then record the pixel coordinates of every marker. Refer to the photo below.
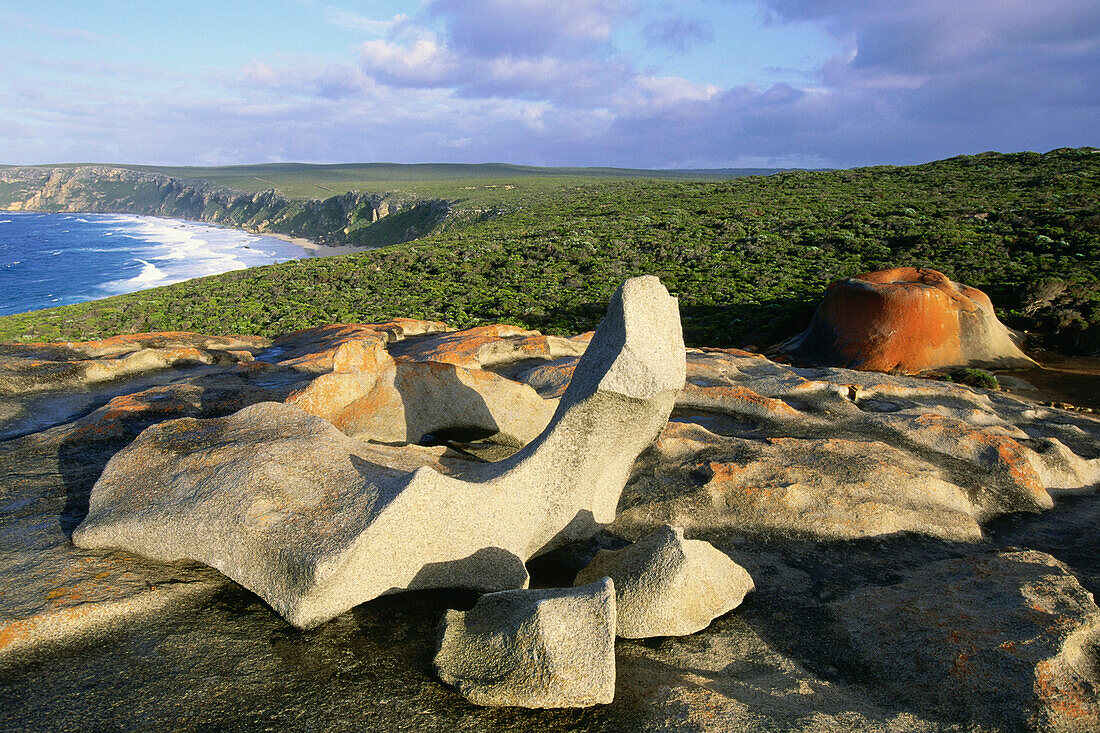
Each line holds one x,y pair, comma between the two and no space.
642,83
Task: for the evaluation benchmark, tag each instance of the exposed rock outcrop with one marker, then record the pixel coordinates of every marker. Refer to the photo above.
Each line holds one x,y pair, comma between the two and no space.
1007,640
492,346
666,585
881,519
533,648
38,367
840,454
370,396
292,509
906,320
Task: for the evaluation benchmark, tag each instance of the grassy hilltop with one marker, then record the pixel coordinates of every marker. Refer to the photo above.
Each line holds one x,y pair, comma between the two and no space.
478,184
748,256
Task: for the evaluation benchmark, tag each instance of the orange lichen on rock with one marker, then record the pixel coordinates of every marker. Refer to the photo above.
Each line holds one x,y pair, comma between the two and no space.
906,320
734,399
491,345
346,347
740,353
997,453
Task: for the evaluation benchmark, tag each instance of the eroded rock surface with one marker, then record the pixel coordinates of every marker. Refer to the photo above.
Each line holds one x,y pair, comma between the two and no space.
766,449
28,368
533,648
909,320
496,345
292,509
1008,640
666,585
828,485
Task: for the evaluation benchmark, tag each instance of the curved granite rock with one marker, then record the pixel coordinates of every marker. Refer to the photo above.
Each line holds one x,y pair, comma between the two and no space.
666,585
287,506
907,320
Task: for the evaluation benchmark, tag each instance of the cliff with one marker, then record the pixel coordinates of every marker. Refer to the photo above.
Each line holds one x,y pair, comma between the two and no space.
356,218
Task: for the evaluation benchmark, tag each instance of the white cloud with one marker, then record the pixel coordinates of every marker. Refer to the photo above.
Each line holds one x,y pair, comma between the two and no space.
357,21
423,63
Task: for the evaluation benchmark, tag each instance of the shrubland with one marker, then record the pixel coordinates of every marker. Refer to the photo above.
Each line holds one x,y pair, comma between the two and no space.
748,257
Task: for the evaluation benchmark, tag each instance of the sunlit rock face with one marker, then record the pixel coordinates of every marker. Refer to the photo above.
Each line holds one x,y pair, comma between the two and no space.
922,552
310,519
906,320
533,648
666,585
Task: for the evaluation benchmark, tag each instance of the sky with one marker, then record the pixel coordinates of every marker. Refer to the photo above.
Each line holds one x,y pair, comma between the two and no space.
631,83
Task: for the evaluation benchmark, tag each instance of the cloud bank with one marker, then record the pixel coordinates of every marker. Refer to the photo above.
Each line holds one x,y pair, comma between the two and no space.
557,83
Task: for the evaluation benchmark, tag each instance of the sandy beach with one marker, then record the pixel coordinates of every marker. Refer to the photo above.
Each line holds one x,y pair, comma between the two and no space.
317,250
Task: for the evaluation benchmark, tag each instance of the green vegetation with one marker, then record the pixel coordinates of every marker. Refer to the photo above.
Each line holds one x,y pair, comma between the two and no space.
749,257
973,377
480,185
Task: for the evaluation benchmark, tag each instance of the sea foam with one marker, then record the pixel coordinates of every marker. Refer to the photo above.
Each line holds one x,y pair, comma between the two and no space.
52,259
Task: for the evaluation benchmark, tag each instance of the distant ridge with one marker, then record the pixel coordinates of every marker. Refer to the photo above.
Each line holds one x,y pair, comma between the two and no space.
433,171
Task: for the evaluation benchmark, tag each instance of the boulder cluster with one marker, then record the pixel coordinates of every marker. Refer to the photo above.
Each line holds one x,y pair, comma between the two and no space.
324,527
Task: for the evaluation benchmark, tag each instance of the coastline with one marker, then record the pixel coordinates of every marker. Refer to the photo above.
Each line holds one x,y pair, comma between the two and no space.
315,249
153,251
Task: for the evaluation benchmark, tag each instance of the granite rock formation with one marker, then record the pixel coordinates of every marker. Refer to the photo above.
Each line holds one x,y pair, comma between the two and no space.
1007,640
945,518
290,508
666,585
906,320
533,648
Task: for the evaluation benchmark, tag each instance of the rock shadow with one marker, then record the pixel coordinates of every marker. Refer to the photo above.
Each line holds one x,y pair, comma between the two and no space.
797,580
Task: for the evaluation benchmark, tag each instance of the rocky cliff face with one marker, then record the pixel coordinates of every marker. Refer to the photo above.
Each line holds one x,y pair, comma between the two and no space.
368,219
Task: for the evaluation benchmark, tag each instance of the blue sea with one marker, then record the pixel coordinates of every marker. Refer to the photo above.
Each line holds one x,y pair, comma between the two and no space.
56,259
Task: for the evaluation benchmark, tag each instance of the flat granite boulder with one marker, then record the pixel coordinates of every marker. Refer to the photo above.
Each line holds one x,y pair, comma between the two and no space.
1008,640
766,449
533,648
292,509
907,320
666,585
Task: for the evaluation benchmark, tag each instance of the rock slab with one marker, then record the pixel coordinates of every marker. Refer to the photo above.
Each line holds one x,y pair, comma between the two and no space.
533,648
1007,640
666,585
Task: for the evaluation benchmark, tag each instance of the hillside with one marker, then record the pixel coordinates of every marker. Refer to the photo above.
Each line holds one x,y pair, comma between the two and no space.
353,217
748,257
475,182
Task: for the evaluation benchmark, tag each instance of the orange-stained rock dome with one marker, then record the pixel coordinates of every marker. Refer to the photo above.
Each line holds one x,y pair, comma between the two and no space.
906,320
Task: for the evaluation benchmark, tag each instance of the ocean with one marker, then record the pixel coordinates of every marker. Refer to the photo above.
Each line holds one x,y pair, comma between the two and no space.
48,260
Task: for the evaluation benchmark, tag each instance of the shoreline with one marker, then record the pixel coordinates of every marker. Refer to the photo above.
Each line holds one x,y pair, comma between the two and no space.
258,249
315,249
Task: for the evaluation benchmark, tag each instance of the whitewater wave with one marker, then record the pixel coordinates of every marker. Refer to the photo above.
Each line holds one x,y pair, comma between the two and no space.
109,254
150,273
150,276
5,221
